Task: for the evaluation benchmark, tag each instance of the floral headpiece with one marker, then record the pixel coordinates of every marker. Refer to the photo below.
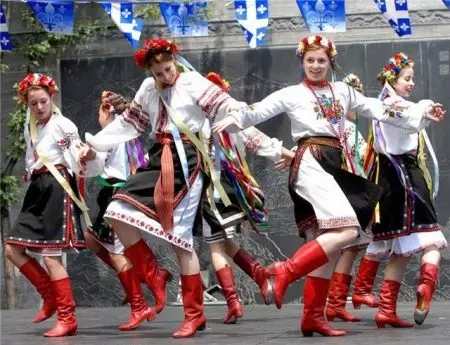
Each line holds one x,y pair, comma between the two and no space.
354,81
37,80
154,47
396,63
217,79
322,41
106,101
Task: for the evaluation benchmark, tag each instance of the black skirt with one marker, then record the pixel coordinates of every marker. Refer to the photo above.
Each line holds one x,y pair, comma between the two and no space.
140,188
401,211
362,194
49,218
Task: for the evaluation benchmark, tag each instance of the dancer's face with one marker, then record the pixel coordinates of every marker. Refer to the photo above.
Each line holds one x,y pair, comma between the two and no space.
404,84
40,103
164,72
316,64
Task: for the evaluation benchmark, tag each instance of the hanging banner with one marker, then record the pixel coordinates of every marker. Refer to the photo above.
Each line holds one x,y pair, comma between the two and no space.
253,15
185,19
446,3
123,16
323,15
54,15
5,41
396,12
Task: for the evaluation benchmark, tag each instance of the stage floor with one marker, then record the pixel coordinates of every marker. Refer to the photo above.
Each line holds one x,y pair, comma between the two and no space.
260,325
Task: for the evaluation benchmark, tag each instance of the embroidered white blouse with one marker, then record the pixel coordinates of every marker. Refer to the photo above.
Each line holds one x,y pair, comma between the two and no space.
193,97
116,163
398,141
300,104
59,139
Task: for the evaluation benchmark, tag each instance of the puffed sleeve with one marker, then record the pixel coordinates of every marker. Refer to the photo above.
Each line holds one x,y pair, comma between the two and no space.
256,141
129,125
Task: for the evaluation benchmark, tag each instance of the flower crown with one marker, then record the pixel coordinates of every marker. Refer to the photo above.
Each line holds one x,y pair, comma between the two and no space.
396,63
354,81
217,79
319,40
154,47
106,101
37,80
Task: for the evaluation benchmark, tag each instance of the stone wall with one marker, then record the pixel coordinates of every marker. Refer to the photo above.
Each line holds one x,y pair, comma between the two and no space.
84,71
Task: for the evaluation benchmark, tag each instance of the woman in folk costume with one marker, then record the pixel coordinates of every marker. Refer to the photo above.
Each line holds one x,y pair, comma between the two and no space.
51,219
329,201
163,198
220,222
120,162
341,279
407,222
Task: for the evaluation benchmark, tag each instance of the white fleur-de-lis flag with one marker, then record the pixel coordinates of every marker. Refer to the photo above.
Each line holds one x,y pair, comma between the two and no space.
123,16
396,12
253,15
5,41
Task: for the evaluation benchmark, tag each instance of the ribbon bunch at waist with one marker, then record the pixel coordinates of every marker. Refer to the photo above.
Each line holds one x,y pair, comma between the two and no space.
248,193
135,155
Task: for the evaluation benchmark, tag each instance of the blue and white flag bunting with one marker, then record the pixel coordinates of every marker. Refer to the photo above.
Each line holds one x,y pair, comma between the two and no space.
54,15
123,16
323,15
185,19
396,12
447,3
5,41
253,15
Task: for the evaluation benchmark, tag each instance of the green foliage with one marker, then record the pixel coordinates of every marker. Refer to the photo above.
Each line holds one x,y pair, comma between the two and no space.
9,193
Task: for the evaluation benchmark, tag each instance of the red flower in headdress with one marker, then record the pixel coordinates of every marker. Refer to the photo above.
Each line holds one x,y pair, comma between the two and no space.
37,80
156,46
217,79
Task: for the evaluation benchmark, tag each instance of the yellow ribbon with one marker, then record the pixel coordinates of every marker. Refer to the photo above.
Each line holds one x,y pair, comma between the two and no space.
57,175
198,144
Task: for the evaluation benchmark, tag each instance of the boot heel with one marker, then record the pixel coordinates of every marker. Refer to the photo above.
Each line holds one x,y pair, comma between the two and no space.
307,334
202,327
330,317
380,324
73,332
356,305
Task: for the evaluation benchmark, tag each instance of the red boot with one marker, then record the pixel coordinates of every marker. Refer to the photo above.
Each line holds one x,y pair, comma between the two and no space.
337,298
66,324
314,298
428,276
140,310
146,267
39,277
387,314
194,319
226,281
282,273
103,255
255,271
365,278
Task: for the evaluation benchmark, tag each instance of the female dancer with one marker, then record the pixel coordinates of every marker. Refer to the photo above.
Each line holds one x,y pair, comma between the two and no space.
341,279
329,201
163,199
101,239
220,222
408,221
51,219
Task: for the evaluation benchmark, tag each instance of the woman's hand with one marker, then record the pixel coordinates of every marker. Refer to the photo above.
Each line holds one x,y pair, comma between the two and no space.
85,153
223,124
286,159
436,112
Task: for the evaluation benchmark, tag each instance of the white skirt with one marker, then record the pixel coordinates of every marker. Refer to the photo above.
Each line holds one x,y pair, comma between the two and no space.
407,245
184,216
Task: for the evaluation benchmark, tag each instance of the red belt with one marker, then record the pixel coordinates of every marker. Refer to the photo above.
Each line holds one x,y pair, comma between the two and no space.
44,169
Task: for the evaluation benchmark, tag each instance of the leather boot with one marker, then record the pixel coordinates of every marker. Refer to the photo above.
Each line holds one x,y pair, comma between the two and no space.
308,258
365,278
194,319
146,267
314,298
140,310
226,281
337,298
40,279
66,324
429,274
387,314
255,271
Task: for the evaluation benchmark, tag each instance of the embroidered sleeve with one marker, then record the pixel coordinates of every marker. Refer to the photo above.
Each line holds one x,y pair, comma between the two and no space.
259,143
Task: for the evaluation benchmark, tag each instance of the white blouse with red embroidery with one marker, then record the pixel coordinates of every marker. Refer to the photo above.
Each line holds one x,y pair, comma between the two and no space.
60,141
